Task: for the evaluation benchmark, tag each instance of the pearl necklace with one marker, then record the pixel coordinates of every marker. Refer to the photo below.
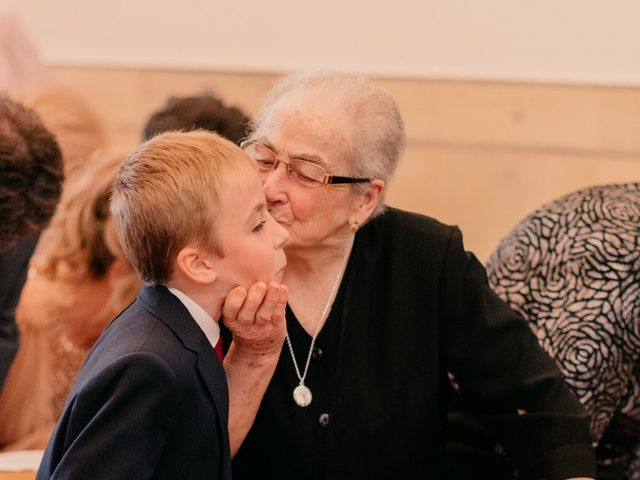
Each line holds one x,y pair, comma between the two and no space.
301,394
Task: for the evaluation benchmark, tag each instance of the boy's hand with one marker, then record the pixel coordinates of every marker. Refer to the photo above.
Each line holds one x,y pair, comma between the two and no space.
256,318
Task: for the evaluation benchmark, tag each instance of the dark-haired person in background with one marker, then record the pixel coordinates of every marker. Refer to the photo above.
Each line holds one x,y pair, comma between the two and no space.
30,187
204,111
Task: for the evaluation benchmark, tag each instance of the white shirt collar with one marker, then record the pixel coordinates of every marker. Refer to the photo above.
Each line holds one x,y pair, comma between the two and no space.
209,327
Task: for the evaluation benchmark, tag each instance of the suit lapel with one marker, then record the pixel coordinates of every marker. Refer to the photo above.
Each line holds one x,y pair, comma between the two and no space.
170,310
212,373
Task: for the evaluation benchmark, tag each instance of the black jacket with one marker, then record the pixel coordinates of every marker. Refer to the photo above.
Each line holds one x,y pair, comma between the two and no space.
413,306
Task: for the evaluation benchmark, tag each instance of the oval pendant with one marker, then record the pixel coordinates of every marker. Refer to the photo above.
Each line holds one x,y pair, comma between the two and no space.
302,395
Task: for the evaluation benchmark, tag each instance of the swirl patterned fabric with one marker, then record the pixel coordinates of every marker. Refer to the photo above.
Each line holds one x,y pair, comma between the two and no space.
572,270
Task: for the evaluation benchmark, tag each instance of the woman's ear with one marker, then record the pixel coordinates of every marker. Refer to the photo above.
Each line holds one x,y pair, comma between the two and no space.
196,265
368,202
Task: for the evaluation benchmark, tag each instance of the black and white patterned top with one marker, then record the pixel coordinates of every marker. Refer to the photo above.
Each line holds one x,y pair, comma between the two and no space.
572,269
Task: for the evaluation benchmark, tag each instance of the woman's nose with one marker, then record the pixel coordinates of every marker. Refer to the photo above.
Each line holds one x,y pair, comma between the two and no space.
274,183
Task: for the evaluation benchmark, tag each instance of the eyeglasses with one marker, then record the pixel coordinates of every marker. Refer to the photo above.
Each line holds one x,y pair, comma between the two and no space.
302,171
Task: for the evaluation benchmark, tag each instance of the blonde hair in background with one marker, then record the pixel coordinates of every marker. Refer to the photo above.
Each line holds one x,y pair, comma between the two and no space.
166,197
82,235
77,127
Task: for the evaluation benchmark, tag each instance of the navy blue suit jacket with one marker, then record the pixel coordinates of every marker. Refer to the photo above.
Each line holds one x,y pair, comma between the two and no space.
150,402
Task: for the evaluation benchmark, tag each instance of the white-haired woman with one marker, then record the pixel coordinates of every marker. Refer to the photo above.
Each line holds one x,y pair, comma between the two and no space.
382,305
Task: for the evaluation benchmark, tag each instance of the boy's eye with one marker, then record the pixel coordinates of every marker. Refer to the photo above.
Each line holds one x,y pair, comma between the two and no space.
259,226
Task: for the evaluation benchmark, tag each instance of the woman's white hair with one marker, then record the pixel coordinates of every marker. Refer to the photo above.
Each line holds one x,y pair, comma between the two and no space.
378,129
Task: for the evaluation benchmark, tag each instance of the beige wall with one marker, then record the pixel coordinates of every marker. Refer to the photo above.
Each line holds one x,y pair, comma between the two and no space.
573,41
479,154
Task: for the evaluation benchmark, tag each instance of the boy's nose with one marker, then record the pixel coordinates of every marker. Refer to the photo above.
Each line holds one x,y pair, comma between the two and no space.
282,235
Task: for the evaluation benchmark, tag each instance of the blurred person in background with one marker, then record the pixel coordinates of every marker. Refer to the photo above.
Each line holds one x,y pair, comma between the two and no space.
572,269
78,128
76,286
30,187
20,64
204,111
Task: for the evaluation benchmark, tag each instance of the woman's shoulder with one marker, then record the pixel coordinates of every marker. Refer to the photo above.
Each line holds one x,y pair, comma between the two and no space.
600,206
411,224
408,234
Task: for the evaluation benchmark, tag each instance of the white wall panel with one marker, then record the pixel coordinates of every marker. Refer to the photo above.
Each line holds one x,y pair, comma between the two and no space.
569,41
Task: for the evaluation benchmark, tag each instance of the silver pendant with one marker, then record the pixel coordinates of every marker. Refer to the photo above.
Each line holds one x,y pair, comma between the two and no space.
302,395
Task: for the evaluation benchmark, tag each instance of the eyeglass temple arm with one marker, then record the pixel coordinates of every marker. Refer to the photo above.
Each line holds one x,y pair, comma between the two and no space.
333,179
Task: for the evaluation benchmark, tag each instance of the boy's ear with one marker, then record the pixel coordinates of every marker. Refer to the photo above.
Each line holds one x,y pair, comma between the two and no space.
196,265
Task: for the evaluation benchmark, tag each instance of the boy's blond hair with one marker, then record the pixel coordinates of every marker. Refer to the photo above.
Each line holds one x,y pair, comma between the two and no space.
166,197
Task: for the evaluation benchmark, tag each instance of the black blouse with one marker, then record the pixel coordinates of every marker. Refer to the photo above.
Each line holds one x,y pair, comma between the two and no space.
412,306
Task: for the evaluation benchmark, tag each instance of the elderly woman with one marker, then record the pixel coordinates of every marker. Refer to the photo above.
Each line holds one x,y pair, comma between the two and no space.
382,305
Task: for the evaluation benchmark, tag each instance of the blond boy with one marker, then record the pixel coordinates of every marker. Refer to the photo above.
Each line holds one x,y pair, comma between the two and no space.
151,400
